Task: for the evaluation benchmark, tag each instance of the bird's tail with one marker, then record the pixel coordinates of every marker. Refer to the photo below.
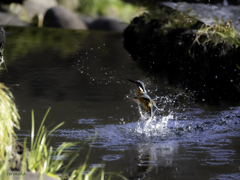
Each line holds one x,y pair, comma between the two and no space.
152,113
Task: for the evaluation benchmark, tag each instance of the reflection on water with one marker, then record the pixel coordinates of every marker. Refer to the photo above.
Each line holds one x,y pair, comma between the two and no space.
82,76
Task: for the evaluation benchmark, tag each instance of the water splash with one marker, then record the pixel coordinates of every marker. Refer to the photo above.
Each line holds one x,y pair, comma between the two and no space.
153,127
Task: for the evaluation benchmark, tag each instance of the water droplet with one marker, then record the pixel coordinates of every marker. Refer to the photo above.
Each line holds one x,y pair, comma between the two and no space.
231,80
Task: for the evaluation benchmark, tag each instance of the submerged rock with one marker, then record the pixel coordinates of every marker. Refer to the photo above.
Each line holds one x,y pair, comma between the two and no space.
164,43
107,24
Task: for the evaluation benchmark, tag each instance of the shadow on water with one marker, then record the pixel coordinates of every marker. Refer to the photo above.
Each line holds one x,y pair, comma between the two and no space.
82,76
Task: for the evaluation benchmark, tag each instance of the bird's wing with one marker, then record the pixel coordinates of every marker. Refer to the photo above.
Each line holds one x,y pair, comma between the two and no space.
153,102
145,96
134,99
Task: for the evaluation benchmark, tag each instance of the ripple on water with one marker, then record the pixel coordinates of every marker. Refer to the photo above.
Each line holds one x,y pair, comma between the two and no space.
88,121
111,157
97,165
185,128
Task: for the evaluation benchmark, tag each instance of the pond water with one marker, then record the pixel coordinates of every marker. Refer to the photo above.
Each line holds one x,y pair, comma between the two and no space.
82,76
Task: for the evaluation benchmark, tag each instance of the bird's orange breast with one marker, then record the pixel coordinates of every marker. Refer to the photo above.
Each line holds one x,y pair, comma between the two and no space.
145,103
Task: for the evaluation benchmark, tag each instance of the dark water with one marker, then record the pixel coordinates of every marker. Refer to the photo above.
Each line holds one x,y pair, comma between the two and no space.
82,76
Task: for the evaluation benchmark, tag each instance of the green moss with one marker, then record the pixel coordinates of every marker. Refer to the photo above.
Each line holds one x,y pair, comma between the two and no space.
219,33
168,20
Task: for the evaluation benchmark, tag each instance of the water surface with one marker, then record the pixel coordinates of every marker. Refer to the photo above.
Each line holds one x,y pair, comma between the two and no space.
82,76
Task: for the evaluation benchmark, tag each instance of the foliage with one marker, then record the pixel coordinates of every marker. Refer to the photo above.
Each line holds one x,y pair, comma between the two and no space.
64,42
110,8
4,166
45,160
40,156
8,120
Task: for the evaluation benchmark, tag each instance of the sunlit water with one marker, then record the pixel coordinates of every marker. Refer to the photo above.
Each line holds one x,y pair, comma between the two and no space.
82,76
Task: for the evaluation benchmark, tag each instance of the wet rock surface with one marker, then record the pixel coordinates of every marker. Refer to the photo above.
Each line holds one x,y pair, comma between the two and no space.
211,76
208,13
107,24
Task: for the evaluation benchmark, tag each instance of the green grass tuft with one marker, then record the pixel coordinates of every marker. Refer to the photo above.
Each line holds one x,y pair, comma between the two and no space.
8,121
220,33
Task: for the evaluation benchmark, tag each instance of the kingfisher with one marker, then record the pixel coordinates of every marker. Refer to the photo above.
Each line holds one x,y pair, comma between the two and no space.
143,98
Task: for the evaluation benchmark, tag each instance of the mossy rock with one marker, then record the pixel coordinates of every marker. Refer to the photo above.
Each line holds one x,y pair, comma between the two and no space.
209,72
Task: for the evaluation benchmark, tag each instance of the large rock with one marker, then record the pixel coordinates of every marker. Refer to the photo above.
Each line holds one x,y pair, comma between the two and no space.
10,20
210,72
61,17
35,7
107,24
